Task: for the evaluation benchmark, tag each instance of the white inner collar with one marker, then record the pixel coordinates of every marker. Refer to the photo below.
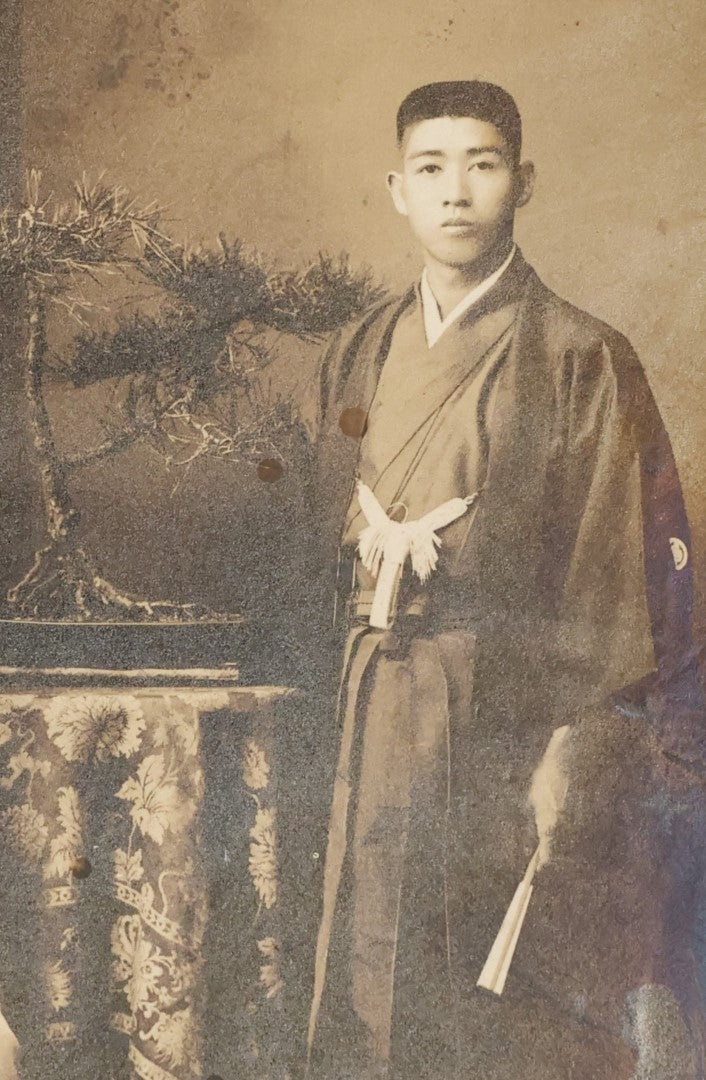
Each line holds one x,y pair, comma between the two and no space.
434,325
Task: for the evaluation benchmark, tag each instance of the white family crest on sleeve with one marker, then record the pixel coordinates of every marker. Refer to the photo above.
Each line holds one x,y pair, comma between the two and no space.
680,552
384,545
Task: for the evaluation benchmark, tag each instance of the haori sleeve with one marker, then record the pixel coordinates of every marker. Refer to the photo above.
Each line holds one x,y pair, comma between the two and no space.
628,589
675,696
596,504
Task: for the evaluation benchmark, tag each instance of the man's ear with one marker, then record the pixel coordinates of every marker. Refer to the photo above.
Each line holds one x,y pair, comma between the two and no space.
525,182
395,187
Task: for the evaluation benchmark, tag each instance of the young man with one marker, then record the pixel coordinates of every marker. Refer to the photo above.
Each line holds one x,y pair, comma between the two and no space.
514,556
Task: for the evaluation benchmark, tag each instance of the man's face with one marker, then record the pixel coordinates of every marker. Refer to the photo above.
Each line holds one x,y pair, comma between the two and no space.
459,187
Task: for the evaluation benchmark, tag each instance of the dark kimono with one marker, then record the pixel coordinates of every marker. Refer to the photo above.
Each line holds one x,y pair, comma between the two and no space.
563,597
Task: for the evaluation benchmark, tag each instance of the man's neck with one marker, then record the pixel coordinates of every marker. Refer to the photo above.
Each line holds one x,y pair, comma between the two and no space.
450,284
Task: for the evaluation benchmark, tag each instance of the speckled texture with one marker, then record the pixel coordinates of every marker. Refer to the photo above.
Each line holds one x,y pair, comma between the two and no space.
287,133
274,121
661,1037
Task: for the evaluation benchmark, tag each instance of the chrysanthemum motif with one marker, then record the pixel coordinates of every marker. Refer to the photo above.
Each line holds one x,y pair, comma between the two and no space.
59,988
27,830
263,856
271,974
88,726
256,771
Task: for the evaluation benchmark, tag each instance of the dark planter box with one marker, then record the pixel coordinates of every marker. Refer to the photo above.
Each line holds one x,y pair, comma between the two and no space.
256,652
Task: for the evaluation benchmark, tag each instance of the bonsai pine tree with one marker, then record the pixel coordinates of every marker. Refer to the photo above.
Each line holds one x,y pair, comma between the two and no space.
190,370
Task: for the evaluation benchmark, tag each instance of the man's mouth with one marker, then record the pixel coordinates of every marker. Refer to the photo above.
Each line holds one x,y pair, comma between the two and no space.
457,223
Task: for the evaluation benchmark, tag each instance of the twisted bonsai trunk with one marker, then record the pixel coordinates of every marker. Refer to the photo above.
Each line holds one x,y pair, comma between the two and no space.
62,517
63,582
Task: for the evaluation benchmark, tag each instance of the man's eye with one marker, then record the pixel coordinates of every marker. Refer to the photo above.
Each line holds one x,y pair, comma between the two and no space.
430,168
483,165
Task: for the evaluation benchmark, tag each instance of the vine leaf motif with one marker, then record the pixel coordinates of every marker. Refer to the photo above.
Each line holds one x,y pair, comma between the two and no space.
271,973
177,727
256,770
263,856
128,868
27,829
67,845
20,763
157,803
59,988
175,1038
17,704
69,938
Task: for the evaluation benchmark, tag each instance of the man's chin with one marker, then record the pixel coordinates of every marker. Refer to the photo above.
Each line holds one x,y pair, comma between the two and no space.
458,257
465,254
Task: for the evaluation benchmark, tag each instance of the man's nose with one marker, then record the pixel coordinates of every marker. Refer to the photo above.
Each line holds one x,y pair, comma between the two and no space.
457,191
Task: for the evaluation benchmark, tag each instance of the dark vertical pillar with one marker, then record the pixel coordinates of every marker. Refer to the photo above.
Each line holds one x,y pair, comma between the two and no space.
17,490
10,99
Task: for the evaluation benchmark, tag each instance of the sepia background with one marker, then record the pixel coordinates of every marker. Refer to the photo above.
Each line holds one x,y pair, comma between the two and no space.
273,122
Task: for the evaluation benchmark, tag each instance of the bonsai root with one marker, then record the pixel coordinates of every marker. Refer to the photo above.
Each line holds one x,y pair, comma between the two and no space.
65,585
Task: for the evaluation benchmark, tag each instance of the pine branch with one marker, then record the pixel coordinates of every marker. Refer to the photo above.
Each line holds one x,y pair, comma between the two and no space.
102,230
108,448
192,370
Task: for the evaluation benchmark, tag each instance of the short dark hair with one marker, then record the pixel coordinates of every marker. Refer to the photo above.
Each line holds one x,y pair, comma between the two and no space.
481,100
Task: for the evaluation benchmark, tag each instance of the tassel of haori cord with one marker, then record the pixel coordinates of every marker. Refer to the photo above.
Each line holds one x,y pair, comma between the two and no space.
497,966
385,544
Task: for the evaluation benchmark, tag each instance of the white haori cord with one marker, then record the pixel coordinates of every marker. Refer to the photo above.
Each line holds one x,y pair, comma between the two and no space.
384,546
